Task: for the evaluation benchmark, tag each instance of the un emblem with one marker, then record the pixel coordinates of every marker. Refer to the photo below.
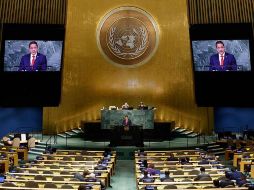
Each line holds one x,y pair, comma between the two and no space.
127,36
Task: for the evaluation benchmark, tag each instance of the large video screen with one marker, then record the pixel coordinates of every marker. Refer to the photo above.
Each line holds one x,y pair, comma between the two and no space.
31,64
32,55
221,55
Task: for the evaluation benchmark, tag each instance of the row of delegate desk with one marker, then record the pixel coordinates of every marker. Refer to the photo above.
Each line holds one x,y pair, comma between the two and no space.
51,167
9,156
185,179
243,156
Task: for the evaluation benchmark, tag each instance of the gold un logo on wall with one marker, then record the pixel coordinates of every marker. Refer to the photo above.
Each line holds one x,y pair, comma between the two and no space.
127,36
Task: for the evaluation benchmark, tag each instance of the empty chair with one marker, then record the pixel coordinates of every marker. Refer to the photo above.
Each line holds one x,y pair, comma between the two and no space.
16,142
67,167
186,180
168,180
178,172
8,184
170,187
20,178
74,179
79,158
71,153
65,172
66,158
157,159
213,172
222,178
40,166
230,186
31,184
205,179
90,159
54,167
50,157
194,172
91,153
31,143
84,152
57,178
191,187
208,187
66,186
50,185
33,172
18,170
188,167
47,172
40,177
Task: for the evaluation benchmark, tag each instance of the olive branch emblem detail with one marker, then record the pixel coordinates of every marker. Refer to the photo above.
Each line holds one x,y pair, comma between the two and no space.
114,47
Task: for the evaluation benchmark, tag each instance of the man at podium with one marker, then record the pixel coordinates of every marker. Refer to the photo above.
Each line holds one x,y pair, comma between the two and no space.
126,123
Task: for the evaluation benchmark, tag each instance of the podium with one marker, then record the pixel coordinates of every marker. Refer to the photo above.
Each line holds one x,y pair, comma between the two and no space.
127,136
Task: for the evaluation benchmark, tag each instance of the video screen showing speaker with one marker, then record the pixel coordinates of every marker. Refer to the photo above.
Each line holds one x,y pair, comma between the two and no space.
221,55
32,55
222,59
31,64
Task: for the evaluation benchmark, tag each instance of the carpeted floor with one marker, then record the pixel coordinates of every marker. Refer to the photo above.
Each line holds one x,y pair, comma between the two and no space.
124,178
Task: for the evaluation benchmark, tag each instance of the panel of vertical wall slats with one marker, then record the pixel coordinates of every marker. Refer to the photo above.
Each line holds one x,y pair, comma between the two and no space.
220,11
33,11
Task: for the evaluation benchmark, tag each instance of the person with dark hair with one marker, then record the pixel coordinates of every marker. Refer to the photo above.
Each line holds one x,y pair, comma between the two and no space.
143,165
171,157
107,153
202,175
151,170
100,166
145,176
81,177
167,177
34,61
142,152
184,160
92,178
222,60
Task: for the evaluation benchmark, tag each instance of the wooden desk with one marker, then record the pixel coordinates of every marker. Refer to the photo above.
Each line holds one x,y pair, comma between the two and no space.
30,176
228,153
5,164
75,184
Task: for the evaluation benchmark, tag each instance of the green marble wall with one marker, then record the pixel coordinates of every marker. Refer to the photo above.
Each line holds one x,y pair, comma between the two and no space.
110,118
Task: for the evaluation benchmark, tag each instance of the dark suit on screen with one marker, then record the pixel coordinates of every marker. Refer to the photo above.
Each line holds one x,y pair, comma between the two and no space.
229,63
40,63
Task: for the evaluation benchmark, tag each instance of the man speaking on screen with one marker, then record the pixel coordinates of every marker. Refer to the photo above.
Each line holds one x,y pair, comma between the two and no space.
34,61
222,60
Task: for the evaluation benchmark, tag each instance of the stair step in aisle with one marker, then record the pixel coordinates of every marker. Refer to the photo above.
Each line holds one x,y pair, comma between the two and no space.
187,132
62,135
193,135
180,130
77,131
70,133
